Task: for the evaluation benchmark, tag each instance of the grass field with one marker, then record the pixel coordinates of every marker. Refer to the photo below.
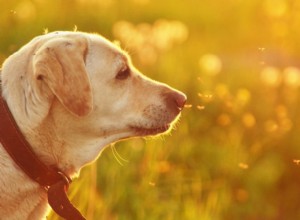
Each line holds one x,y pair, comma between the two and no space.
234,154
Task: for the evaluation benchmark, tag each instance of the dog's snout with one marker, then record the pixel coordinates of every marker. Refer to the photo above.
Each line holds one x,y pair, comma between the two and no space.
176,99
180,99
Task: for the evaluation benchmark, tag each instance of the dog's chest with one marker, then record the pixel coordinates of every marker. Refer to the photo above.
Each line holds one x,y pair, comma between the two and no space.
18,194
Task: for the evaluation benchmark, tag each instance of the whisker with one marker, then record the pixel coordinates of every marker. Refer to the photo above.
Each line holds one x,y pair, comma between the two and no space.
117,156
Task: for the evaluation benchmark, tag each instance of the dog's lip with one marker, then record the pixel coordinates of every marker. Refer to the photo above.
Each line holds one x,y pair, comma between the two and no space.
150,131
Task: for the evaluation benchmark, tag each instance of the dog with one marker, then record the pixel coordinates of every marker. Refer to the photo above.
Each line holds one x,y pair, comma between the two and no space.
71,94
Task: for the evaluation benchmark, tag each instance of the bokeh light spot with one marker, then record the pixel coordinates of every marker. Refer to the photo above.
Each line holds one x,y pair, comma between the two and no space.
292,76
25,11
211,64
248,120
271,126
270,76
148,41
243,166
243,96
275,8
241,195
221,90
224,119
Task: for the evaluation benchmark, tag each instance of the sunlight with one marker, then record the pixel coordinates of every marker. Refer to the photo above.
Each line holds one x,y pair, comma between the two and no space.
25,11
224,119
249,120
275,8
148,41
271,126
221,90
163,167
270,76
235,151
102,3
210,64
165,34
243,96
141,2
241,194
243,166
292,76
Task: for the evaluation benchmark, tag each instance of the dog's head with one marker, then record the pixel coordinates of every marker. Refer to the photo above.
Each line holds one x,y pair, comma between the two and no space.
88,90
132,104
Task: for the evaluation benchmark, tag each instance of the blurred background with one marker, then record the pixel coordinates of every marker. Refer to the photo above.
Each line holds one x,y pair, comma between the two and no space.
235,153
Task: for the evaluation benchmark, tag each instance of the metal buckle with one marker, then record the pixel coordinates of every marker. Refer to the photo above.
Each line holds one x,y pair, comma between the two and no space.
66,179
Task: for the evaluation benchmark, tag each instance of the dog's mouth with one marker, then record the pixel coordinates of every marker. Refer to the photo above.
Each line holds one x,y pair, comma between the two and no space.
155,121
142,131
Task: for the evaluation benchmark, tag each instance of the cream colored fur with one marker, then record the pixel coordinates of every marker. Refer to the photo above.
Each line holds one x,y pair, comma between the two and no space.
70,96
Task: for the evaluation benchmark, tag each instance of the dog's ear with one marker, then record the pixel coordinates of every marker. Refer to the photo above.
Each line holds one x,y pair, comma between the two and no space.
60,63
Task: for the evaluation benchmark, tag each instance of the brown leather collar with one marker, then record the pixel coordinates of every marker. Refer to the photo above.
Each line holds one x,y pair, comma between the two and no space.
53,180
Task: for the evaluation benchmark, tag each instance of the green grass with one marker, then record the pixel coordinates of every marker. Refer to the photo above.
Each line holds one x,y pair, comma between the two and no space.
234,159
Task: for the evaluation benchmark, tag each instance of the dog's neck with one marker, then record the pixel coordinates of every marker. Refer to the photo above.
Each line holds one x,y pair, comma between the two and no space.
24,198
21,197
21,153
53,141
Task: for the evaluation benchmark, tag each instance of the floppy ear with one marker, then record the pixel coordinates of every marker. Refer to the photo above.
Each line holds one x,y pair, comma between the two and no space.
60,64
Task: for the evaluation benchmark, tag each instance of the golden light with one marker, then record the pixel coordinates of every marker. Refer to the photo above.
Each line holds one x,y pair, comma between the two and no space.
292,76
153,184
297,162
25,11
286,124
200,107
275,8
141,2
243,96
248,120
271,126
163,166
147,55
188,106
271,76
205,97
224,119
147,40
221,90
102,3
211,64
125,31
242,195
167,33
243,166
281,111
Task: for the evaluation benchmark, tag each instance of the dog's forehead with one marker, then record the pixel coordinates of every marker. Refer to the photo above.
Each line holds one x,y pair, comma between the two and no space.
119,56
114,48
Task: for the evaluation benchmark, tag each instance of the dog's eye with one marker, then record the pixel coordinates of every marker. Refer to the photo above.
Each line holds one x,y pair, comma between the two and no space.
123,74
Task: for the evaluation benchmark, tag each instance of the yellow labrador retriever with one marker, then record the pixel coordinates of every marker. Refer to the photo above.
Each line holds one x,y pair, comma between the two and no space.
71,94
